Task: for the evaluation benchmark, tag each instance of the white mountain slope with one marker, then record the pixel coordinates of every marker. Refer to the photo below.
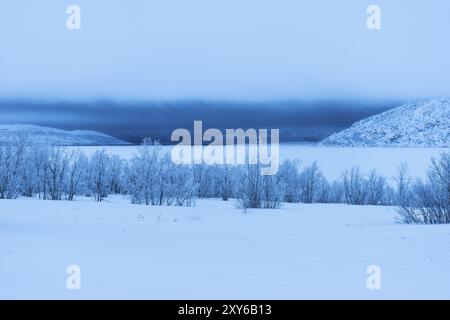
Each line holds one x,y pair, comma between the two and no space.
418,124
38,134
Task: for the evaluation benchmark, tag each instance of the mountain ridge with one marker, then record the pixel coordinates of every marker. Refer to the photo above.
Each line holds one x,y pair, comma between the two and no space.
423,123
53,136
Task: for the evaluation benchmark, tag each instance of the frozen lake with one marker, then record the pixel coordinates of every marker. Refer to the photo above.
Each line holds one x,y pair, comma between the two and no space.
333,161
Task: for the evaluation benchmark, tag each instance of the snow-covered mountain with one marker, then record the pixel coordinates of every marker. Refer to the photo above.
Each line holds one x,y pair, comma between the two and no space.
423,123
38,134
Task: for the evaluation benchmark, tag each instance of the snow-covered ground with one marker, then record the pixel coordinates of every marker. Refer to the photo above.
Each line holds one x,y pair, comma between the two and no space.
214,250
52,136
333,161
424,123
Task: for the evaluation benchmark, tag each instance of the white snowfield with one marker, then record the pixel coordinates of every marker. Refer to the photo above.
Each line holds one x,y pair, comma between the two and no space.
214,250
424,123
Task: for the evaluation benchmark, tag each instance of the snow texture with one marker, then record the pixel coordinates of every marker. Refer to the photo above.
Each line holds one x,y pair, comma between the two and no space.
424,123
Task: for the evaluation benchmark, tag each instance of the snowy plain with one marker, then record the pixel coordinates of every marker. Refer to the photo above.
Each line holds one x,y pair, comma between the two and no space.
216,251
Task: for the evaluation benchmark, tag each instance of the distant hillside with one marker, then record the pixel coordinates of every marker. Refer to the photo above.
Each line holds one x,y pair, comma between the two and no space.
418,124
37,134
297,120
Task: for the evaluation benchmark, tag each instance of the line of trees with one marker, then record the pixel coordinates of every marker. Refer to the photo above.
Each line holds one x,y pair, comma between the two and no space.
151,178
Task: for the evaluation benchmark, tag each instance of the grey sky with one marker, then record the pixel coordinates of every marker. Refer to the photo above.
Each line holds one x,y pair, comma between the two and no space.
224,49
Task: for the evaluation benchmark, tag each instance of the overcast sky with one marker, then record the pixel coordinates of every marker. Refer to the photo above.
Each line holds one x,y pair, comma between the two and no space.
224,49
